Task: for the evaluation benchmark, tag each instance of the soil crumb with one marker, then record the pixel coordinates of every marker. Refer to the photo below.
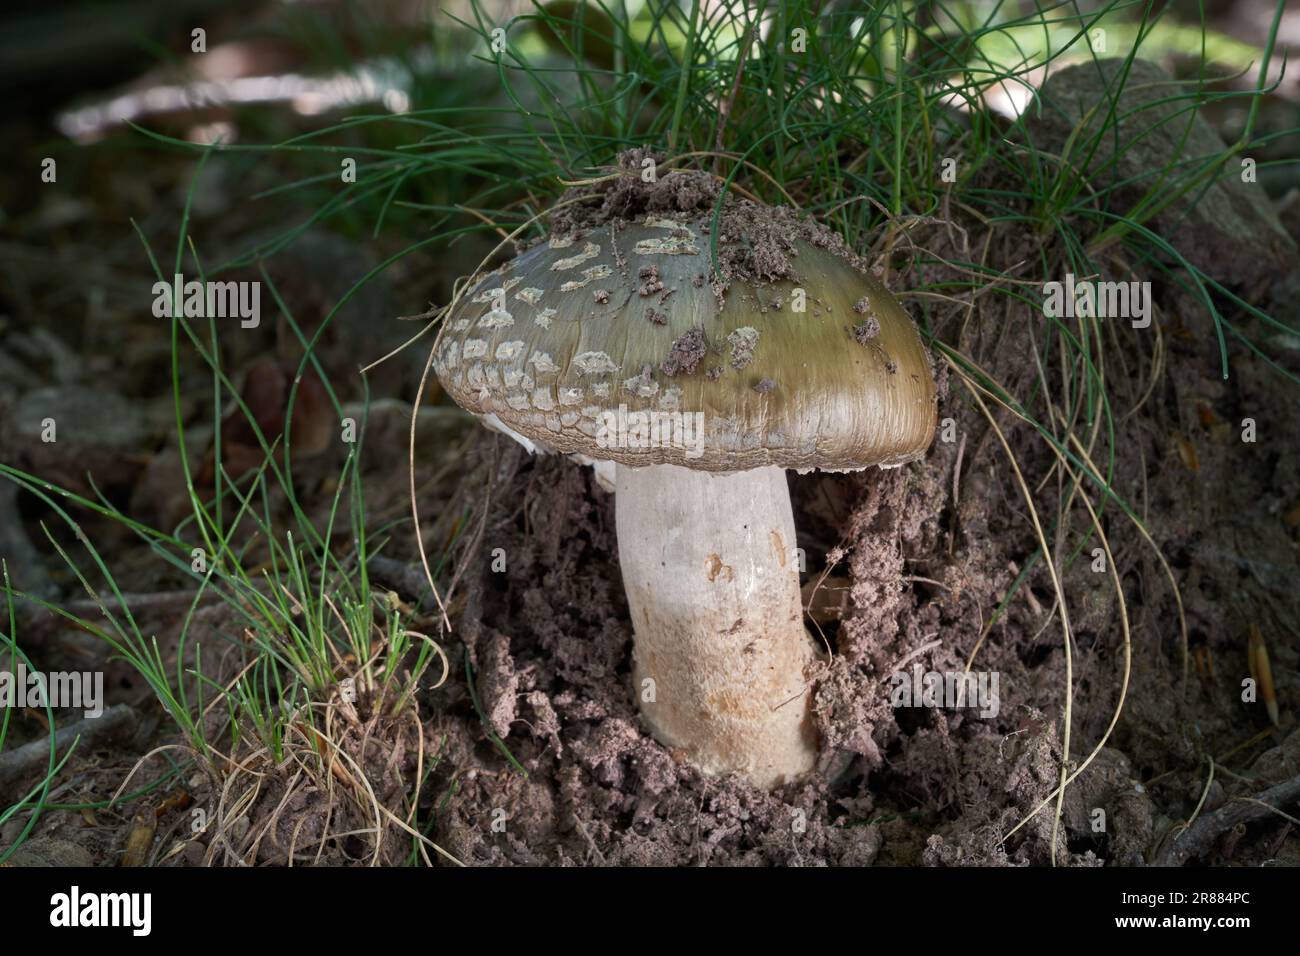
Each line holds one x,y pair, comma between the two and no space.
685,353
864,332
650,281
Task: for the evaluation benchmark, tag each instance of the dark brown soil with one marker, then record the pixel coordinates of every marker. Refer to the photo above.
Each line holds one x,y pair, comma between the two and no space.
927,555
551,657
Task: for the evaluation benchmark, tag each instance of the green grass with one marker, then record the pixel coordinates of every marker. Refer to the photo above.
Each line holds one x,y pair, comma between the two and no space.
853,128
305,610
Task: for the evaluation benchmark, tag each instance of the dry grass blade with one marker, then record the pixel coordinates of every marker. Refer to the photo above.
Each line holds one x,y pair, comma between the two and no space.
1059,792
1050,562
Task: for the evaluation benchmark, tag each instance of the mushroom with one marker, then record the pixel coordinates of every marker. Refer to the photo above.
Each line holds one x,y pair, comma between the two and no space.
702,398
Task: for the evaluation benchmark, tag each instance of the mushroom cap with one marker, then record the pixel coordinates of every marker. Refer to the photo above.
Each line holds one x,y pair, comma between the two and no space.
613,343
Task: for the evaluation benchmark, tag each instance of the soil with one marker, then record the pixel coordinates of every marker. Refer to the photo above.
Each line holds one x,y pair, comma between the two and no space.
539,757
928,554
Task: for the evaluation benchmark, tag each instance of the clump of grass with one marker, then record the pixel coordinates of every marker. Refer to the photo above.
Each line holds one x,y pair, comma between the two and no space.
318,672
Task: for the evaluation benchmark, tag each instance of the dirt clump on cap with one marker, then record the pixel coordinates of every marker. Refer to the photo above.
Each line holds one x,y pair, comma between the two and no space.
756,243
627,196
864,332
650,281
685,353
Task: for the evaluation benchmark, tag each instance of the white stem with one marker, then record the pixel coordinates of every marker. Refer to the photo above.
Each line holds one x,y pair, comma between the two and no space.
712,582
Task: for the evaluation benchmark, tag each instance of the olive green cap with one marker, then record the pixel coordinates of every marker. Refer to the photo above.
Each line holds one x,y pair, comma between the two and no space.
620,328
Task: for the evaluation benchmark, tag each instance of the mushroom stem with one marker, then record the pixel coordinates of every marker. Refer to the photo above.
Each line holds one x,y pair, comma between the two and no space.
712,582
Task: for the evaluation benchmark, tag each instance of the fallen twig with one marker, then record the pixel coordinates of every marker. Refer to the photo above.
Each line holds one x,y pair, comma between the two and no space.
1197,839
119,721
